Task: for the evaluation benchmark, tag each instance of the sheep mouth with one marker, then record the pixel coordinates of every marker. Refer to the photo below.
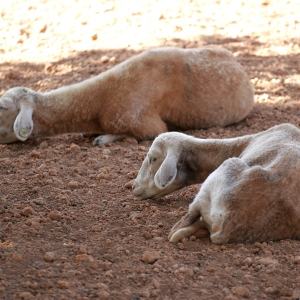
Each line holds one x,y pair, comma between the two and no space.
145,197
141,196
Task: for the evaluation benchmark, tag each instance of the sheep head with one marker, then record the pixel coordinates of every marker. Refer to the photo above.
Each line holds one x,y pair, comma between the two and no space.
16,109
162,170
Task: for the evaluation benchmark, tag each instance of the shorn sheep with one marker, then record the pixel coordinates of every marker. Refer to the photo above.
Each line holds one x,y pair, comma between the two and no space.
140,97
250,190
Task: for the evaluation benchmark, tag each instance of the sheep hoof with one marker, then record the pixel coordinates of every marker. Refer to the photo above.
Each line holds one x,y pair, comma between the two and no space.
24,133
108,138
188,225
99,141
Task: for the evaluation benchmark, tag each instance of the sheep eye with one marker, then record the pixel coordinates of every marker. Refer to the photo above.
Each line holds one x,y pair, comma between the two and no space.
152,159
2,107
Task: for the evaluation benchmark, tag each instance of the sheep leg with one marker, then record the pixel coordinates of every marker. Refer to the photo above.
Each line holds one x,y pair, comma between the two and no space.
108,138
189,224
149,126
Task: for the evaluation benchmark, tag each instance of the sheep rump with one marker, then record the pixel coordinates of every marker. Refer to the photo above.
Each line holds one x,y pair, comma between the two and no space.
140,97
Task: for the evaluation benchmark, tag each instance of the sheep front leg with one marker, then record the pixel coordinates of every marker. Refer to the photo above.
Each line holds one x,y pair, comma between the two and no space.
150,126
189,225
108,138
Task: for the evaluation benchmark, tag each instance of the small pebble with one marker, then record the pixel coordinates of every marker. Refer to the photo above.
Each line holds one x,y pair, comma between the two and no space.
52,172
74,147
49,256
27,211
144,293
82,249
180,246
106,152
17,257
96,228
35,189
100,286
226,291
103,295
26,295
186,271
150,257
155,283
43,145
241,291
84,258
35,154
54,215
247,261
104,59
126,292
268,261
38,201
147,235
258,245
63,284
269,290
73,184
153,208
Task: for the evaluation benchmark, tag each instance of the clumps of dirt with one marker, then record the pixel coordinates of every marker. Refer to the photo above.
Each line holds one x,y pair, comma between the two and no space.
69,228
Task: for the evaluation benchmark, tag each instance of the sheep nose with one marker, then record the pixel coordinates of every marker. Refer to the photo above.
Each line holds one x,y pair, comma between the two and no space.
137,191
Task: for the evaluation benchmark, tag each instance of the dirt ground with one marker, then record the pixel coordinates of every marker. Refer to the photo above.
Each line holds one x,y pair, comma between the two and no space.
69,228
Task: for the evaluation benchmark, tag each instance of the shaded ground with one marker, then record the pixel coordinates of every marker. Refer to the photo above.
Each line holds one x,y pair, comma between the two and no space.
69,228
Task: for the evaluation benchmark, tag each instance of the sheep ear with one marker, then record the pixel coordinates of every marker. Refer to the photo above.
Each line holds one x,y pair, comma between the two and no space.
23,125
166,172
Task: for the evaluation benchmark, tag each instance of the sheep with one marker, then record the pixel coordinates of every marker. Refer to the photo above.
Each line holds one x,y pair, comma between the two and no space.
140,97
251,184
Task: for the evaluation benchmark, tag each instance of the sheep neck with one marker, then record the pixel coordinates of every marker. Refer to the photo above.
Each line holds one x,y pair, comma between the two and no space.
74,108
203,156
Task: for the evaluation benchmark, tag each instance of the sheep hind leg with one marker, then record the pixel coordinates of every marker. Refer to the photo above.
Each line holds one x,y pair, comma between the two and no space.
108,138
189,225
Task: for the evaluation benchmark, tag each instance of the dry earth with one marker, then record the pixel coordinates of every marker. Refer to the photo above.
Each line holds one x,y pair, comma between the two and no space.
69,228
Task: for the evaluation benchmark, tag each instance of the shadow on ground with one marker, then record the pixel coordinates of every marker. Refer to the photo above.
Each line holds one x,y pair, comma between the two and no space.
277,90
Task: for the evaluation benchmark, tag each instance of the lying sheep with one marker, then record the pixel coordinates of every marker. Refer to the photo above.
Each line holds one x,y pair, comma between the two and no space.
140,97
251,189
